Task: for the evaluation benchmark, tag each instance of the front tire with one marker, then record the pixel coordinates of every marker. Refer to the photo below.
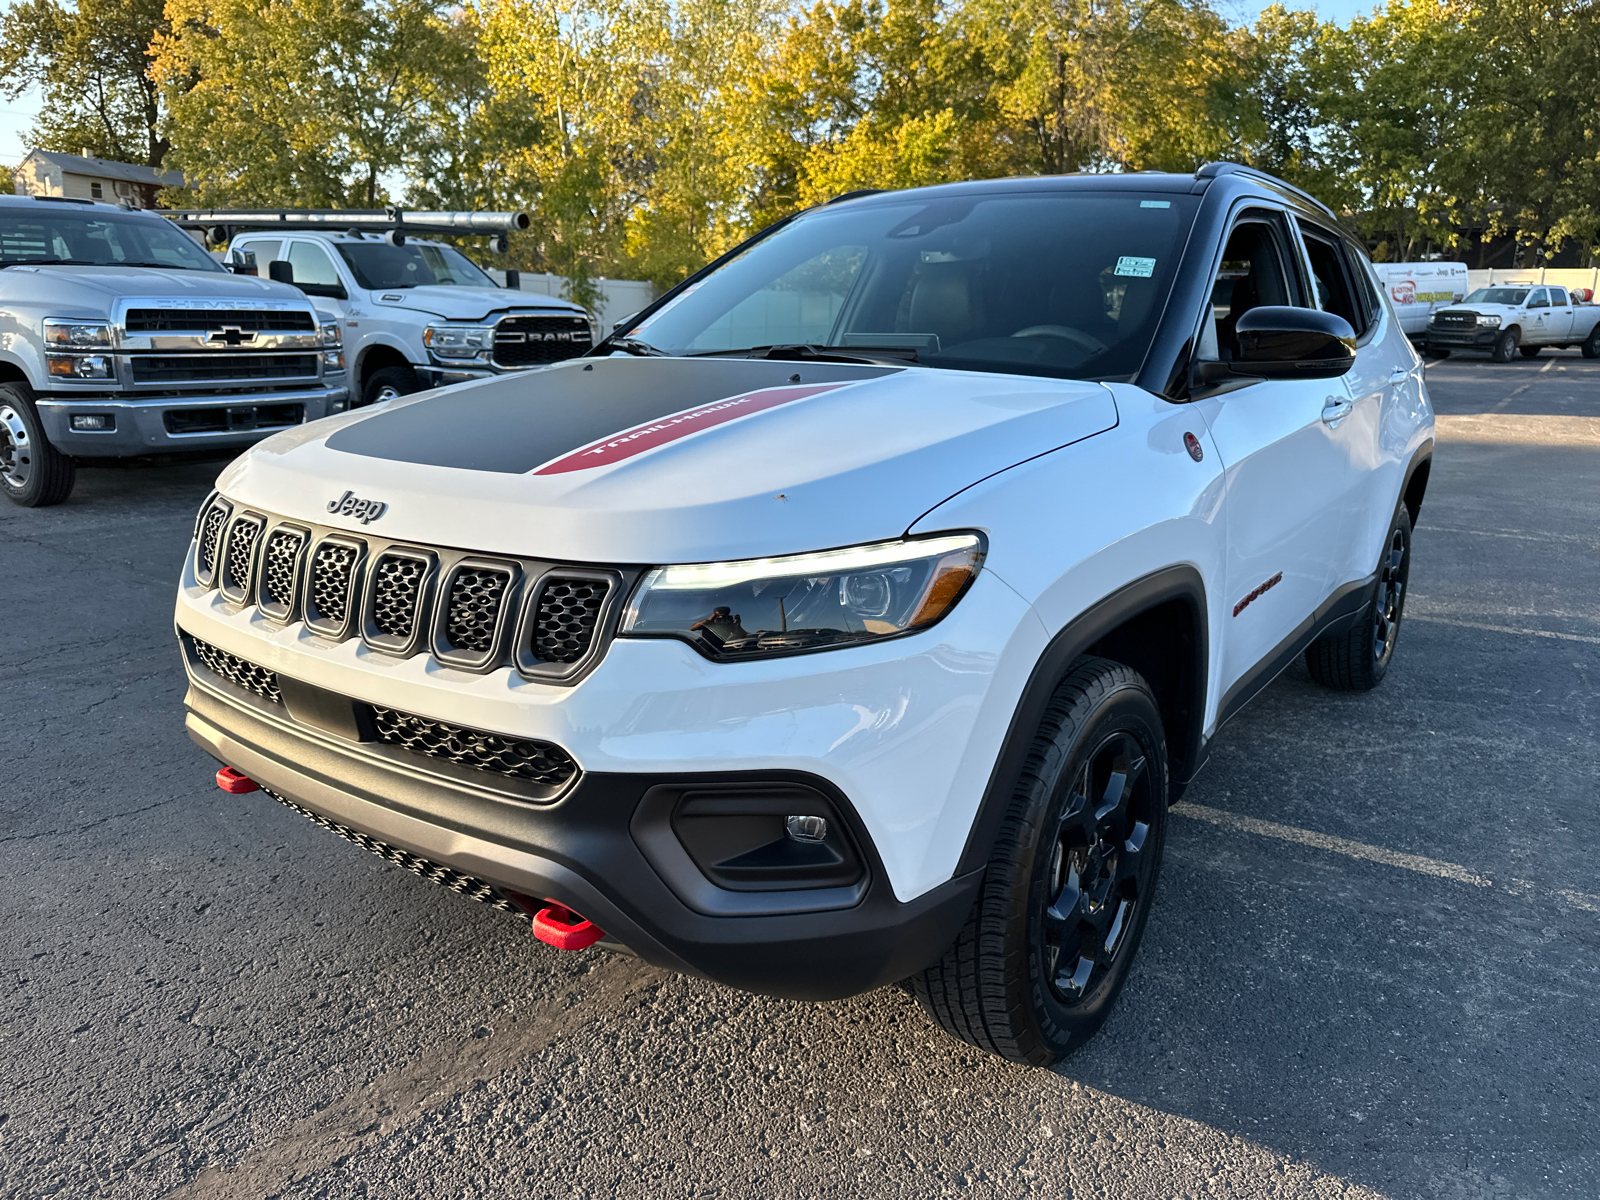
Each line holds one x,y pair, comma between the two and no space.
1358,659
1038,967
389,383
1505,346
33,473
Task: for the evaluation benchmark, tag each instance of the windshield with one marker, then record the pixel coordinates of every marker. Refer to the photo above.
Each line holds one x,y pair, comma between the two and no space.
1498,295
1063,285
379,265
93,237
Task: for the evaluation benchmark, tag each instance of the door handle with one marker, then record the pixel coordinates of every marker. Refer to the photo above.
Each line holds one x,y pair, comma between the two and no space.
1399,375
1335,410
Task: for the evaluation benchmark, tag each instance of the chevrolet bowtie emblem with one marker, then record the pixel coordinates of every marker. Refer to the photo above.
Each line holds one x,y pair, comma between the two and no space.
230,335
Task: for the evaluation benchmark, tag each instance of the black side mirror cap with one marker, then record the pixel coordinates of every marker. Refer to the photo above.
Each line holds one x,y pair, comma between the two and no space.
280,271
1279,342
333,291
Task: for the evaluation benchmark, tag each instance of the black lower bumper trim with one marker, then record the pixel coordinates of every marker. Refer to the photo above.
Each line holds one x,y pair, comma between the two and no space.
579,852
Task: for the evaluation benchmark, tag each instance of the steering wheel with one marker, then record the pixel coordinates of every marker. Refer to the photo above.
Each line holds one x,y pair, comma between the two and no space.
1076,336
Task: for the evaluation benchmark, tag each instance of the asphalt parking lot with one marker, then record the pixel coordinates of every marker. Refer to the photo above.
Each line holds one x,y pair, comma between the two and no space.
1372,969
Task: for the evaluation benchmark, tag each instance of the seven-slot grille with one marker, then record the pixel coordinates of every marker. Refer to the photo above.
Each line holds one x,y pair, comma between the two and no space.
536,762
397,594
279,565
187,320
564,624
477,595
467,612
332,574
534,341
239,672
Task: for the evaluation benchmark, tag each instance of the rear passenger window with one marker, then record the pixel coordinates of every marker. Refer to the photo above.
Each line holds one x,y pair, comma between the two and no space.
1334,280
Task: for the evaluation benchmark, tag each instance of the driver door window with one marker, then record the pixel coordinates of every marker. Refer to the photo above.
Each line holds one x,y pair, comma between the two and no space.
1253,273
312,265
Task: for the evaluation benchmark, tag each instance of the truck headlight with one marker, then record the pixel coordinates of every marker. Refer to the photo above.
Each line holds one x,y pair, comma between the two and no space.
1491,322
79,366
764,606
64,334
459,341
331,336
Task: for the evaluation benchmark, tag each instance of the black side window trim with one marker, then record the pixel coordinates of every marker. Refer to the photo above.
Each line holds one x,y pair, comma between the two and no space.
1356,283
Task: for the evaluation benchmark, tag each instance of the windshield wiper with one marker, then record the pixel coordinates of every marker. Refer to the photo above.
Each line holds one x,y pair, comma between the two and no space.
630,345
807,351
51,262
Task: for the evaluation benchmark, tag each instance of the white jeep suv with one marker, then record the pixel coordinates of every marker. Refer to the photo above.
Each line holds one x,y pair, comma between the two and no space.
855,613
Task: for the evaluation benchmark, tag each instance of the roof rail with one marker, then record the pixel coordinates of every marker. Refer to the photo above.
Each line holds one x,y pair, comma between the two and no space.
220,224
855,195
1212,169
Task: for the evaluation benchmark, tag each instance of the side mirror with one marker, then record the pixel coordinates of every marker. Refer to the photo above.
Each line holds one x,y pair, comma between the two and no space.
1288,343
280,272
616,325
242,262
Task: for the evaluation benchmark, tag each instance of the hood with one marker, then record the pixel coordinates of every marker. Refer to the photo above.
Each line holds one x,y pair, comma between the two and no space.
1465,310
470,303
97,287
659,460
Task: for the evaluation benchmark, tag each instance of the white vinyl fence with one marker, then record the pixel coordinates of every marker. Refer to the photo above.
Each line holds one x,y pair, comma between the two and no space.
1572,278
618,297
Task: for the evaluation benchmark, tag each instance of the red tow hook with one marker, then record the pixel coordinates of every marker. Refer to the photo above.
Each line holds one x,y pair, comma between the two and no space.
230,780
557,925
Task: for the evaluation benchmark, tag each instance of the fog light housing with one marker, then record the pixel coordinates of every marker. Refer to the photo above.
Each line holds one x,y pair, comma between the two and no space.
760,839
94,423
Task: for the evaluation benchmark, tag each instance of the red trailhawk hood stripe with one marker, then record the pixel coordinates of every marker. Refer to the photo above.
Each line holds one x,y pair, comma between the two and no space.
640,438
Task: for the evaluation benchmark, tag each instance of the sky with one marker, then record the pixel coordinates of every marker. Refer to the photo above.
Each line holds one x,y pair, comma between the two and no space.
17,116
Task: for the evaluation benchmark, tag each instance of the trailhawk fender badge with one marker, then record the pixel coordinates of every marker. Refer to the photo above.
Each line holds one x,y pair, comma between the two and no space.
1258,593
681,424
365,511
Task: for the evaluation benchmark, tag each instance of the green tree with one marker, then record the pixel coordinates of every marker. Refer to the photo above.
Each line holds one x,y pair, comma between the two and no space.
89,60
311,102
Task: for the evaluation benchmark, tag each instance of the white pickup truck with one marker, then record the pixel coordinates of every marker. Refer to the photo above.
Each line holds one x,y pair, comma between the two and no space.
1515,318
418,314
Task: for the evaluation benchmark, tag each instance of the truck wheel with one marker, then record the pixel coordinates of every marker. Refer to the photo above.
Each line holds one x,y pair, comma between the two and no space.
1069,885
1591,344
1434,352
1505,346
1358,659
33,473
1528,351
389,383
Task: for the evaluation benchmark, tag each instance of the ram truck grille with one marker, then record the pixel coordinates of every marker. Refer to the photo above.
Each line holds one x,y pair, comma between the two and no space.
535,341
1456,320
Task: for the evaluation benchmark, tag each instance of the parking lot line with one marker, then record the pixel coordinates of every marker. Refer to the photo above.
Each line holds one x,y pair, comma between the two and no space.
1339,845
1487,628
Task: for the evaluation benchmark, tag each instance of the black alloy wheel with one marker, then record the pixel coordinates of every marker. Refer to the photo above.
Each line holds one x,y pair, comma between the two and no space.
1358,659
1071,878
1099,873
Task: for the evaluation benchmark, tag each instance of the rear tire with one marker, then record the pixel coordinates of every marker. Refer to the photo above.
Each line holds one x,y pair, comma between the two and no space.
33,473
1528,351
1358,659
1505,346
389,383
1432,352
1591,344
1038,967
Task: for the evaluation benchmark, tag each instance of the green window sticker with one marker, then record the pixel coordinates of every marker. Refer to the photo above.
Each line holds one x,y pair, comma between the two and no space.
1138,268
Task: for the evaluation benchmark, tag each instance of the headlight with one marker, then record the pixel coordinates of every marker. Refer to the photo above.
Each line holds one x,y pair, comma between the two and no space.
834,598
459,341
62,334
79,366
1492,322
331,335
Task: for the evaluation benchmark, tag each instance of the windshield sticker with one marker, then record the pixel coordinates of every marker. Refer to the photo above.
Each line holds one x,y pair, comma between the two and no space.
1137,268
1155,204
680,425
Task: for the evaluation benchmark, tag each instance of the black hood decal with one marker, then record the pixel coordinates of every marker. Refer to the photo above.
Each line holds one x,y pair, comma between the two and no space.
517,423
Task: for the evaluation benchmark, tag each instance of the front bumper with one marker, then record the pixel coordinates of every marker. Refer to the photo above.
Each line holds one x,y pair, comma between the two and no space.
583,851
142,424
1461,339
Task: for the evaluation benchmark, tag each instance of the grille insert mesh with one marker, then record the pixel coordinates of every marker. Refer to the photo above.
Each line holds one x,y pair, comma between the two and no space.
210,531
397,594
537,762
331,576
241,553
476,596
278,565
565,623
238,671
446,877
